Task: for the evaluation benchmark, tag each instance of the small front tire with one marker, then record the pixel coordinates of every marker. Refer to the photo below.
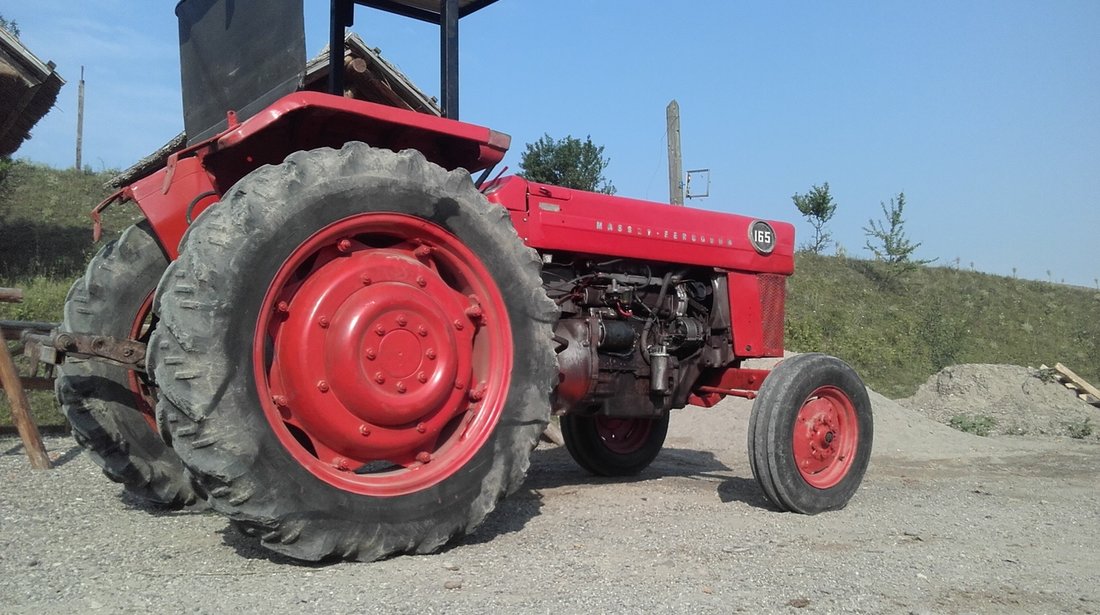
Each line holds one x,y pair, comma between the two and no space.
611,446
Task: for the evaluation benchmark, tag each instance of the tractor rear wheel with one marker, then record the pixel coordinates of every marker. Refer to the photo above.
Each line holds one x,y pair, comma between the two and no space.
355,354
611,446
110,407
810,434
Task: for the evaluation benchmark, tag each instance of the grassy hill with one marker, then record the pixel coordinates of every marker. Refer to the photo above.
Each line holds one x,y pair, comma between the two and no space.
896,334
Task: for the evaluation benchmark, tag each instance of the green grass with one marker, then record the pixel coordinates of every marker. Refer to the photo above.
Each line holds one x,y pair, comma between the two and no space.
898,335
977,424
895,334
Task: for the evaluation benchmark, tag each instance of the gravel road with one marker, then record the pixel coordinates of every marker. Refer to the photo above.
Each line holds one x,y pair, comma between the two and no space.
945,522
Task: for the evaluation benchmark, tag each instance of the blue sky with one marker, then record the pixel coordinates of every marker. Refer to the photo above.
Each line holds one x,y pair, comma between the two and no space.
985,113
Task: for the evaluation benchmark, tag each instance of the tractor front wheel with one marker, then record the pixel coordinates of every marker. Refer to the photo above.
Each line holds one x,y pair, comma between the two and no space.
612,446
810,434
355,354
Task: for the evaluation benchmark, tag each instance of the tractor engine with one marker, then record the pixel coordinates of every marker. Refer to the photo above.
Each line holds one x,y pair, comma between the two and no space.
633,337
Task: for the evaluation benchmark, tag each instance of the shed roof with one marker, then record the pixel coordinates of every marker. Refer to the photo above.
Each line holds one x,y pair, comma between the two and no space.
28,90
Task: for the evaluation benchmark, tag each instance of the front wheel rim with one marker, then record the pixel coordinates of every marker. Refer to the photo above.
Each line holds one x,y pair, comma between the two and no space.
623,436
383,354
825,437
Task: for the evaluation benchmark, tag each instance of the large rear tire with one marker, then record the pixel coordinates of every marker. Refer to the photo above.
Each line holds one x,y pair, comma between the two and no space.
355,354
109,407
810,434
610,446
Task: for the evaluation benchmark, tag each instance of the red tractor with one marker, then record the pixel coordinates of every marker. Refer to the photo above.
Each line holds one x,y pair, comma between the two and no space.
333,335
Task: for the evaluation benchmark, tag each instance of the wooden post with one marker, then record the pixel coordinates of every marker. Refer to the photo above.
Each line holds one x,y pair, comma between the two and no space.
80,121
20,407
675,164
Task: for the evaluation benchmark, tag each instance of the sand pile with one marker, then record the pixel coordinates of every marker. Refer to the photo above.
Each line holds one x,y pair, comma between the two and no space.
1005,400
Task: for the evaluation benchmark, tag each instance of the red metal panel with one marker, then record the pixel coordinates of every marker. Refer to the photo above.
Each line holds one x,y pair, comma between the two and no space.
165,197
748,330
560,219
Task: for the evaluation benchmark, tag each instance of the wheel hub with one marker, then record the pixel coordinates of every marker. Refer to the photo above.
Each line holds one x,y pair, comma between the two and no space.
383,357
825,436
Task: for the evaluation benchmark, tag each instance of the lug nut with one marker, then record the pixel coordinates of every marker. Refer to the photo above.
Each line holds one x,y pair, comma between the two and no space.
322,386
365,279
422,377
344,245
400,386
478,394
459,385
421,427
364,430
380,330
474,312
380,378
423,252
458,325
421,282
323,322
283,307
280,400
402,320
422,331
340,464
430,354
424,457
371,353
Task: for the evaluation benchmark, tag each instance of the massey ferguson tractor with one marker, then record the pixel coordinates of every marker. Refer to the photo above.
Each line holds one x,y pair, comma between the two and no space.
329,332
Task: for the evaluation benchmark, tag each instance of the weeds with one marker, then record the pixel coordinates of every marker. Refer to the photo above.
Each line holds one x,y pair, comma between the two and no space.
1079,429
977,424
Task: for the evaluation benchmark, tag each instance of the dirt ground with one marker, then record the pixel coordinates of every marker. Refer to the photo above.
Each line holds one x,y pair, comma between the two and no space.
945,522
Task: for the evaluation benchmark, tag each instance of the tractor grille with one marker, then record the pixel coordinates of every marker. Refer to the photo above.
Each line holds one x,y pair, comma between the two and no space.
773,294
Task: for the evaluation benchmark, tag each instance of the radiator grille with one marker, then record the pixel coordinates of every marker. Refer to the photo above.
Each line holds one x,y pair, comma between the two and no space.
773,294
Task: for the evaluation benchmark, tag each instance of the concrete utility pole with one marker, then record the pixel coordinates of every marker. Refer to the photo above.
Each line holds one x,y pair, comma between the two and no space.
80,120
675,164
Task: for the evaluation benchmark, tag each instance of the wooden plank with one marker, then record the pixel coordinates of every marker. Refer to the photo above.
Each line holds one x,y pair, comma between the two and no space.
20,412
1079,381
11,295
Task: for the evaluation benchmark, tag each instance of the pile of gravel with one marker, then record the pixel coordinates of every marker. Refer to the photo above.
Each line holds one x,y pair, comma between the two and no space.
1005,400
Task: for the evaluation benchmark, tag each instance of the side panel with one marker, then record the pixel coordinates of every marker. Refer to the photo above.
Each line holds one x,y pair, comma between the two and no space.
172,198
757,312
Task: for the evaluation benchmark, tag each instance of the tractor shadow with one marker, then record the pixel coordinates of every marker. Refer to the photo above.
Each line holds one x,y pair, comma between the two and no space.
553,469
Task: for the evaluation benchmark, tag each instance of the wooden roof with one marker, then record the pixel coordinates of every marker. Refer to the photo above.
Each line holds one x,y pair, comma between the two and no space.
28,90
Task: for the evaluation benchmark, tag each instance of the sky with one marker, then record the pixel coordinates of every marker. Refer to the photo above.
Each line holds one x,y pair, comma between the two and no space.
985,113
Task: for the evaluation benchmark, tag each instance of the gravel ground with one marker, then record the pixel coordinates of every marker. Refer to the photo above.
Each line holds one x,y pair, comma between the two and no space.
945,522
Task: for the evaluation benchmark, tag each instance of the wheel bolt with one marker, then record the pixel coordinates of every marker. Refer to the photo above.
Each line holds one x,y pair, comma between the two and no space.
322,386
402,320
478,394
279,400
380,378
430,354
323,322
421,427
400,386
474,312
423,252
420,281
283,307
458,325
380,330
422,377
340,464
422,331
365,279
364,430
371,353
344,245
424,457
459,385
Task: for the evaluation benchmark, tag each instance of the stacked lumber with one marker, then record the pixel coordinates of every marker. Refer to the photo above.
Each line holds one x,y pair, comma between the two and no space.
1085,391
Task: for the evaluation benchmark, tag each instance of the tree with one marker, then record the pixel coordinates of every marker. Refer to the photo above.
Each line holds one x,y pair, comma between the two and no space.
887,240
818,207
567,162
11,26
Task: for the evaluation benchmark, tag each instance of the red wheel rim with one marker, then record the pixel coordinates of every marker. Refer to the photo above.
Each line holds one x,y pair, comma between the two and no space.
623,436
382,354
145,399
826,435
